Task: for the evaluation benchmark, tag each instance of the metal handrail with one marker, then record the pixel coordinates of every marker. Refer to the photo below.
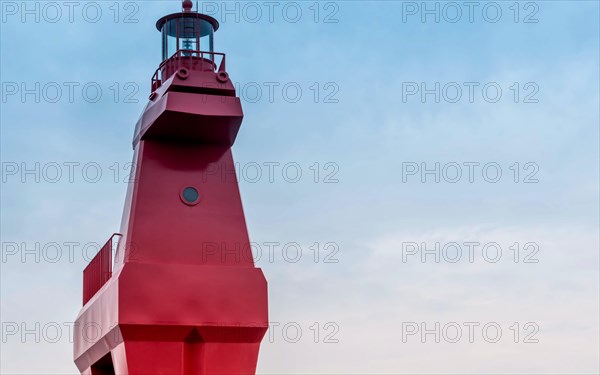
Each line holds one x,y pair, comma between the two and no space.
99,270
179,57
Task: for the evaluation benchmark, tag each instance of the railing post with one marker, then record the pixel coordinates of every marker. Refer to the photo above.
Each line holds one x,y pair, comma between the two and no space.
222,66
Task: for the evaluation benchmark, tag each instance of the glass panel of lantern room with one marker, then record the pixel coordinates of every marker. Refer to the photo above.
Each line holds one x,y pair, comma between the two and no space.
170,30
164,43
188,34
206,39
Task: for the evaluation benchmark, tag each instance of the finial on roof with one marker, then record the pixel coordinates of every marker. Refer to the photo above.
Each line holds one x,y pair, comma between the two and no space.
187,5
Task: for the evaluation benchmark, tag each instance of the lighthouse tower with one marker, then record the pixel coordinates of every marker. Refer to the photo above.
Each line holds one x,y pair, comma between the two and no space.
176,291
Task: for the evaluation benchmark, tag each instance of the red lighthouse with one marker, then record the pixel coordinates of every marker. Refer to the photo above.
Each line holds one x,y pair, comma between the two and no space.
184,296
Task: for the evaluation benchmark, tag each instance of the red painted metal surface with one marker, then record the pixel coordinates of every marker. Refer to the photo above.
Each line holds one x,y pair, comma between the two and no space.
185,296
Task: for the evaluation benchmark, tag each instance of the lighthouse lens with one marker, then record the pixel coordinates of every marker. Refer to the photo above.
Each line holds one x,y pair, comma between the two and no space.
190,195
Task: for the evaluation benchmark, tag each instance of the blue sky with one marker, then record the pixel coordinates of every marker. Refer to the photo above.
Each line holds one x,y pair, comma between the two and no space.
361,137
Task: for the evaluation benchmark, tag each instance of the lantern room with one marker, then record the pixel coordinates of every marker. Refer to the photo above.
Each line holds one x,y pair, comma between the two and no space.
187,32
